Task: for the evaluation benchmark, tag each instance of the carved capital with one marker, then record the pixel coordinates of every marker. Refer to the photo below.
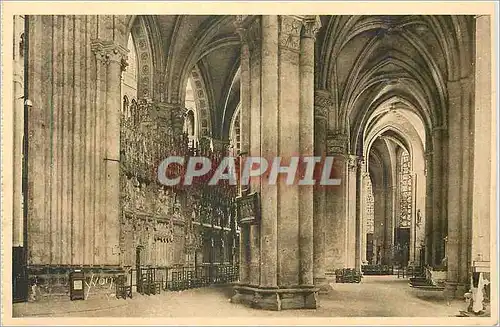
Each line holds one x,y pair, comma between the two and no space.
251,34
107,52
337,144
352,163
311,27
289,32
322,103
240,19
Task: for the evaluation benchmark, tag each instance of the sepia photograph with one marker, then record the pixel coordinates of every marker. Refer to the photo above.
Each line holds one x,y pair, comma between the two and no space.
315,163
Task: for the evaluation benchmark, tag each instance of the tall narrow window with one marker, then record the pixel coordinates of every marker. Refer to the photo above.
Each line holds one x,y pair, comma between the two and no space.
129,79
190,123
369,206
369,220
235,135
405,191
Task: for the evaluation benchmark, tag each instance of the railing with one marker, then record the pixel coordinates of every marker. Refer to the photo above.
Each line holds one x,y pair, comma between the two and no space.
377,270
347,275
192,277
151,280
409,271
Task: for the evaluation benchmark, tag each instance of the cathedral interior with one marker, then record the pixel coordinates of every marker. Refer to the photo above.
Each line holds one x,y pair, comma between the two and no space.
403,103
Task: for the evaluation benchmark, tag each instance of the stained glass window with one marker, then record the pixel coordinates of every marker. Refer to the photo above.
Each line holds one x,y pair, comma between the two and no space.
405,188
235,134
369,205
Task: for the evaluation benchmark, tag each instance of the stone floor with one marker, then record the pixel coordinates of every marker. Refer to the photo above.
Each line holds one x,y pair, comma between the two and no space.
375,296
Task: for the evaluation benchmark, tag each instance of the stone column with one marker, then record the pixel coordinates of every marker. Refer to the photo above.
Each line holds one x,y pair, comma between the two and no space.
352,197
245,124
270,141
336,222
306,148
281,274
359,215
459,186
466,184
483,200
114,56
254,35
437,200
429,220
454,171
322,103
483,190
18,131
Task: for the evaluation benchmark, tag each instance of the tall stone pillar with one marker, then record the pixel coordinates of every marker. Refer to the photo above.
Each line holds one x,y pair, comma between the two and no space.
352,253
359,214
459,186
429,219
453,237
18,131
467,89
245,124
437,199
322,103
483,200
306,147
74,85
281,270
483,190
113,57
336,221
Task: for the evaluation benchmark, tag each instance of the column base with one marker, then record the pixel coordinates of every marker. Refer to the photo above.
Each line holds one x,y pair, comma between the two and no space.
323,285
460,291
450,289
330,277
276,299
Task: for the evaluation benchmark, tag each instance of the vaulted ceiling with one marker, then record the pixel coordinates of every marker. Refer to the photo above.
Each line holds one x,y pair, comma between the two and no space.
363,61
185,46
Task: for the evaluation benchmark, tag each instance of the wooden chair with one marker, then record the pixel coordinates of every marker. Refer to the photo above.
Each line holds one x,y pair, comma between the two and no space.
123,290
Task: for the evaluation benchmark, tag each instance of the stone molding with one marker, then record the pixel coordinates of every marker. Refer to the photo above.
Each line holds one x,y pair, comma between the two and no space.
443,129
